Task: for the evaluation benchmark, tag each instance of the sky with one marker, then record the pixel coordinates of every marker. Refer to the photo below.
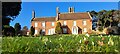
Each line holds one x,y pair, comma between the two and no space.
48,9
70,0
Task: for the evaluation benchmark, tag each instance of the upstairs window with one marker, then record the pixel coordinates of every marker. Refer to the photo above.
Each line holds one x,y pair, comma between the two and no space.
64,23
74,23
85,29
43,24
84,22
36,24
52,23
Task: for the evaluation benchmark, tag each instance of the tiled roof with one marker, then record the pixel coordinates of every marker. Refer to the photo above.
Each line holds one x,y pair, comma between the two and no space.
74,16
44,19
65,16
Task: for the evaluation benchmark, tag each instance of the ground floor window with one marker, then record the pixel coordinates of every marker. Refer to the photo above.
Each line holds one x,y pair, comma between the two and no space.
74,30
43,32
85,29
36,31
64,30
51,31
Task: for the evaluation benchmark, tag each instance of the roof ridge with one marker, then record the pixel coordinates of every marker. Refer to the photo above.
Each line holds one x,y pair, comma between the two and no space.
45,17
74,12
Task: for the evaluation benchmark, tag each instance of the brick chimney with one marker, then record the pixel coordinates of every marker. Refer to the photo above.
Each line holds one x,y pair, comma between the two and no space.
57,13
33,14
71,10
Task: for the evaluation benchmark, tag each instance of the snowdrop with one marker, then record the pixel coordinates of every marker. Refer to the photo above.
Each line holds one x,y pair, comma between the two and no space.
109,36
80,41
50,40
87,35
100,35
92,43
45,39
84,38
110,42
78,50
60,38
45,43
116,50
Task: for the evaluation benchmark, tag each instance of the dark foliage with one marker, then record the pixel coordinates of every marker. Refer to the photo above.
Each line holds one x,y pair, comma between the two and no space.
8,30
24,30
32,30
17,27
10,10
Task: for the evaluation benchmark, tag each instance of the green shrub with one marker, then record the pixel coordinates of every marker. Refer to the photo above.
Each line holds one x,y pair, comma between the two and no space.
62,43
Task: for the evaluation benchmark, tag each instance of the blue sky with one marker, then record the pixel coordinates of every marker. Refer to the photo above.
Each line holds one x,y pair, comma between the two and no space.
46,9
70,0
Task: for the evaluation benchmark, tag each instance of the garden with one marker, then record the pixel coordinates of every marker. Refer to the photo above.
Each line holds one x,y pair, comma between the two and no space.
62,43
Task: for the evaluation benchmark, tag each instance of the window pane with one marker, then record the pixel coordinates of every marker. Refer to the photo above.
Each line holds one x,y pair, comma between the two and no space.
52,23
43,24
74,23
64,30
84,22
85,29
36,24
35,31
64,23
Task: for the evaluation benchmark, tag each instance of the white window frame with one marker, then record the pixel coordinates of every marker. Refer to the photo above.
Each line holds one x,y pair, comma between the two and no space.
85,30
84,22
36,31
43,30
74,30
65,23
51,31
74,23
43,24
36,24
52,23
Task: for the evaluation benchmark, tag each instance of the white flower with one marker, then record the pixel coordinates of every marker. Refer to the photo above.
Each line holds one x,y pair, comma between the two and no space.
110,42
116,50
92,43
45,39
80,41
87,35
50,40
78,50
100,35
60,38
109,36
84,38
45,43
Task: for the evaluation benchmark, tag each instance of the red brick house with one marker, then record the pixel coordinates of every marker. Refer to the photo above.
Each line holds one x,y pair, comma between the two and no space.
72,22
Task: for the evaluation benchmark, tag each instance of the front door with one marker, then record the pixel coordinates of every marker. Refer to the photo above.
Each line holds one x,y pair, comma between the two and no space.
75,30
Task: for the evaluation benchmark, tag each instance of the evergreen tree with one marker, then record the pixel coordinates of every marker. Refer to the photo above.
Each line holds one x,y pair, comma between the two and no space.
24,30
58,29
17,27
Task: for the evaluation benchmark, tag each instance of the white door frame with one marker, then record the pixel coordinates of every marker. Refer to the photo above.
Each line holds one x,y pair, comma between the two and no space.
74,30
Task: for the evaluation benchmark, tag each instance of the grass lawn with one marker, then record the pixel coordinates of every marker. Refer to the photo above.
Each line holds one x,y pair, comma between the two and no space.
62,43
